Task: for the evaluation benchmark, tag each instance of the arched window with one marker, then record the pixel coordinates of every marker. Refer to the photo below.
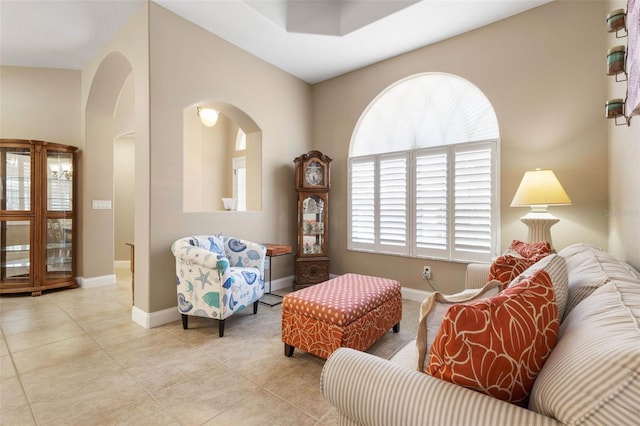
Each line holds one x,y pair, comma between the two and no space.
423,174
241,140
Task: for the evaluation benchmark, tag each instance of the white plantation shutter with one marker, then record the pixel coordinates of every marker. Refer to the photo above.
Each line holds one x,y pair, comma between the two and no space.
421,183
473,202
431,203
362,206
393,201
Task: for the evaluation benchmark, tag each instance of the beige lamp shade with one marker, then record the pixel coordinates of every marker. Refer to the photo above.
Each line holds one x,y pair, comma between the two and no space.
539,189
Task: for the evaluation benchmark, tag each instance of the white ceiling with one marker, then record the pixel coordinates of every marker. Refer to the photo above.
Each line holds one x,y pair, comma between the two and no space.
311,39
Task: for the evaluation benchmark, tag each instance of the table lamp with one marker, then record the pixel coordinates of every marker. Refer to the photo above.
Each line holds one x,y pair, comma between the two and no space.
538,190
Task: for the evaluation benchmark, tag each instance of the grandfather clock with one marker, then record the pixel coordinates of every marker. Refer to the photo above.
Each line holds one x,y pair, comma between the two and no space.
313,185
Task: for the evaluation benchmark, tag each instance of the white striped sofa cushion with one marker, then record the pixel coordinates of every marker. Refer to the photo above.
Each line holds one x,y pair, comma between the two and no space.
556,267
593,374
367,390
589,269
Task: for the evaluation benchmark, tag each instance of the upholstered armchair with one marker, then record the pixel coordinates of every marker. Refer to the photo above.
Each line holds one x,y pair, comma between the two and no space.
217,276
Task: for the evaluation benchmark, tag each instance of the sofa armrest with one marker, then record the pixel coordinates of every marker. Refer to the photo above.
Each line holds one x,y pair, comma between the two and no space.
368,390
477,275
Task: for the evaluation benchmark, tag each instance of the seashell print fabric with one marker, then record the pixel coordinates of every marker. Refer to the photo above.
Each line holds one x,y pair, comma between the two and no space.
498,345
217,276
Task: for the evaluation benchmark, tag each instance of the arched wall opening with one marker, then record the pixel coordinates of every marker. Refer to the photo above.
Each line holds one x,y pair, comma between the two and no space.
211,156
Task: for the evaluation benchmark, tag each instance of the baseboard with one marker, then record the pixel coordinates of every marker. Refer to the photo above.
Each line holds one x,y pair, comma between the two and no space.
415,295
96,281
279,283
154,319
407,293
158,318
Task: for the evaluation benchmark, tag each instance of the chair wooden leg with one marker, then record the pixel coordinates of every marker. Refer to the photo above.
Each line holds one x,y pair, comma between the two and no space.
221,327
396,328
255,307
185,321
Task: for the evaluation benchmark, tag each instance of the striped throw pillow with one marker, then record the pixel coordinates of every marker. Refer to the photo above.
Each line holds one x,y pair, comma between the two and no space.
556,267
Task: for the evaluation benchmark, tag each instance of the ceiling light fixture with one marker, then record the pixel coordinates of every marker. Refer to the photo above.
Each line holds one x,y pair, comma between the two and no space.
208,116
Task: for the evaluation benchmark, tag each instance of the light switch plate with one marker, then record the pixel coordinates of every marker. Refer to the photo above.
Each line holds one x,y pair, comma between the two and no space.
101,204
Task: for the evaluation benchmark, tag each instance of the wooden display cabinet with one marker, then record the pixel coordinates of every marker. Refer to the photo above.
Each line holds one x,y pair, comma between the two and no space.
313,185
37,215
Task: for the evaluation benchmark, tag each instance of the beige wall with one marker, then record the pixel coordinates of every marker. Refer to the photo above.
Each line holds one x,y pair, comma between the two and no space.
103,80
543,72
188,66
41,104
624,173
204,163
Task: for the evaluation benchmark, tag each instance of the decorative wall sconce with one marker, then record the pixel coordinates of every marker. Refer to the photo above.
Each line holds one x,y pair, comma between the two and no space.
208,116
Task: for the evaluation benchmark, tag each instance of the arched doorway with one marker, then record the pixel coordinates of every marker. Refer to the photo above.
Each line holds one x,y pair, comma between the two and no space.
110,114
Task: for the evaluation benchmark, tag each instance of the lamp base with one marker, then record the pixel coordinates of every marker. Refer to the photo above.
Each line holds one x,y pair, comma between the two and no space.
539,224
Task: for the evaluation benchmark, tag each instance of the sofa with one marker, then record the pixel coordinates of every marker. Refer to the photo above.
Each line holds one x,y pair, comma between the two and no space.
591,375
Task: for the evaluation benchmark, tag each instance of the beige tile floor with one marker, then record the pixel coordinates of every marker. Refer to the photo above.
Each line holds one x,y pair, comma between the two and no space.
74,357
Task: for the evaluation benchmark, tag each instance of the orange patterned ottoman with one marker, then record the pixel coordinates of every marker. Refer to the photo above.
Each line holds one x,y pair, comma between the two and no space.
352,311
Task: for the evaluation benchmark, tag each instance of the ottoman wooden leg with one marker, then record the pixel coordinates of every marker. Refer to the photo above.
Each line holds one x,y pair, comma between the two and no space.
288,350
396,328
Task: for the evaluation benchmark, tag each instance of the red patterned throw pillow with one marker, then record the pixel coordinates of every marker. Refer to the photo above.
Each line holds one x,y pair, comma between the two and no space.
507,267
517,259
498,345
535,251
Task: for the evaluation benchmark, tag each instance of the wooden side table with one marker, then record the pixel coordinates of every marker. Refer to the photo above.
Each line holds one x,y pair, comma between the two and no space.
273,250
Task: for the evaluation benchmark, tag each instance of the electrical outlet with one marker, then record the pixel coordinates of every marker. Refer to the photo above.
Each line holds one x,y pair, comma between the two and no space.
426,272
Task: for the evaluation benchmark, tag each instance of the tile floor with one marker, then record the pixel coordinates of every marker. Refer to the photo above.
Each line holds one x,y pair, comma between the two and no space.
74,357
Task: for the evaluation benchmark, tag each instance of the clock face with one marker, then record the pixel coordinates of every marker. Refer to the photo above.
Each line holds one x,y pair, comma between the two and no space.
314,174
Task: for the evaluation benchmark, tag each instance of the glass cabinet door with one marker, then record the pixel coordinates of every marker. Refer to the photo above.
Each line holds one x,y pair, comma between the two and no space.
59,248
15,185
59,181
313,241
59,200
15,252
